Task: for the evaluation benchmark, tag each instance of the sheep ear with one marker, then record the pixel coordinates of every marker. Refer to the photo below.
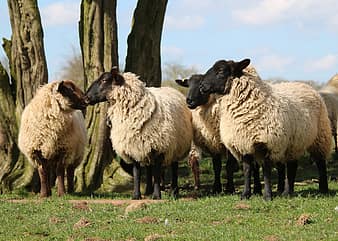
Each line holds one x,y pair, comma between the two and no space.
240,66
117,77
183,82
59,86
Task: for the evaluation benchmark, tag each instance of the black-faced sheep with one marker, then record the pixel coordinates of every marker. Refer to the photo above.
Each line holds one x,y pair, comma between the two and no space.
52,133
207,135
150,126
268,123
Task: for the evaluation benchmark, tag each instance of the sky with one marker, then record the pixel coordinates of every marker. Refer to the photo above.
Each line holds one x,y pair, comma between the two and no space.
285,39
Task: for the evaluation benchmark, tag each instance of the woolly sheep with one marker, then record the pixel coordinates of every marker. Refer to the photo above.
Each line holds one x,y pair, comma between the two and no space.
52,133
330,95
268,123
205,121
150,126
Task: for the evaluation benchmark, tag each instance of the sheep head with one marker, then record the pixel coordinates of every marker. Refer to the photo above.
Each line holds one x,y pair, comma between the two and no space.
72,94
100,88
218,78
194,96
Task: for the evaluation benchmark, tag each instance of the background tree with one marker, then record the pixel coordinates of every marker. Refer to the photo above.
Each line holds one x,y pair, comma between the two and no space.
28,70
144,41
98,39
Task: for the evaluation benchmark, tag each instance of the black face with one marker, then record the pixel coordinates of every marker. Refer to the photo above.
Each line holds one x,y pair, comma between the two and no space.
194,97
218,78
71,92
100,88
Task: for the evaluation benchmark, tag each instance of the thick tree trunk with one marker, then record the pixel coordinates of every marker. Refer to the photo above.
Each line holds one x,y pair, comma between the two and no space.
144,40
28,70
98,38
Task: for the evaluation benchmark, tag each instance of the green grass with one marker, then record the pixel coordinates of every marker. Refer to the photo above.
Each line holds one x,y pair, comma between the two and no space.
207,217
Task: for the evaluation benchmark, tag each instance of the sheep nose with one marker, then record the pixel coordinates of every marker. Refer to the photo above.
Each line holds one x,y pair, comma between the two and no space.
190,103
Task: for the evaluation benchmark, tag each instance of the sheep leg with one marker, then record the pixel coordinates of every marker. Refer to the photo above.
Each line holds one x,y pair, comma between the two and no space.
257,181
70,178
60,175
149,181
217,166
157,179
323,185
195,169
174,179
281,177
43,180
247,165
137,180
267,180
231,167
291,170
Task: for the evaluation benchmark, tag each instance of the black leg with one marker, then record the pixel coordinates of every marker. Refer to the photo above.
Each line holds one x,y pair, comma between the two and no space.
231,167
257,180
174,179
157,179
267,180
149,181
217,166
281,177
247,165
137,179
323,185
291,171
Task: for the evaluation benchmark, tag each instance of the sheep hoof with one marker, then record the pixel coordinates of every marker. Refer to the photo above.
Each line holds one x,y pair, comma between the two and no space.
156,197
137,196
245,195
267,197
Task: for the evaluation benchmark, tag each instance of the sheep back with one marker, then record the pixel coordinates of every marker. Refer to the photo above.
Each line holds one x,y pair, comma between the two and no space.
148,121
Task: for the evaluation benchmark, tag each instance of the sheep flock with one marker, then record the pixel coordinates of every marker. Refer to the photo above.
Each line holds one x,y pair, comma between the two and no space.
229,112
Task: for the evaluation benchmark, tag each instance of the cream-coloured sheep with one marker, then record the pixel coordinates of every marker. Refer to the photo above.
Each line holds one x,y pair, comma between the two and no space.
330,95
268,123
150,126
52,133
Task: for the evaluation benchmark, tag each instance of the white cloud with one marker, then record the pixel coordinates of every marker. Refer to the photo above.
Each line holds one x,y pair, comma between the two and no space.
274,63
325,63
301,12
60,13
266,11
187,22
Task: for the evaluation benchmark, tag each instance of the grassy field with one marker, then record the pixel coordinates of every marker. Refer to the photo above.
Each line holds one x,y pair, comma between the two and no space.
195,216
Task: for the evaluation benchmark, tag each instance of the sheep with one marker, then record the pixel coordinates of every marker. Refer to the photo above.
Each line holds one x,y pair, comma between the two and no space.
52,133
207,137
330,95
267,123
150,126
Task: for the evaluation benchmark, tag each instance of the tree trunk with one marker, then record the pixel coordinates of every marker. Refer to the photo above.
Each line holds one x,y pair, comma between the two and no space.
144,40
28,70
98,38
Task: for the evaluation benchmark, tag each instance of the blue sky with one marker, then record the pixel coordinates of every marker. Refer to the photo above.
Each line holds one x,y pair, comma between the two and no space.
289,39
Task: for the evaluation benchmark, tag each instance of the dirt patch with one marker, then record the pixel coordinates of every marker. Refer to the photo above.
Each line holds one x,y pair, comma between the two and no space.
242,206
271,238
134,206
82,206
83,222
153,237
303,220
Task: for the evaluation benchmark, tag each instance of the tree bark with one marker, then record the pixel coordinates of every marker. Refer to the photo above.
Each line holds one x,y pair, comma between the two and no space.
144,40
98,39
28,71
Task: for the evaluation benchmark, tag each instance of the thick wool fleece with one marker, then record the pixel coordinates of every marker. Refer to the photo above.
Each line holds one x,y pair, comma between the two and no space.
286,118
149,121
50,126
